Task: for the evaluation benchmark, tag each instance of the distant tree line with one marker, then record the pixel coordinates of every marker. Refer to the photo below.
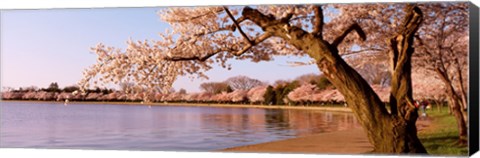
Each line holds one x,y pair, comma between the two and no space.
306,90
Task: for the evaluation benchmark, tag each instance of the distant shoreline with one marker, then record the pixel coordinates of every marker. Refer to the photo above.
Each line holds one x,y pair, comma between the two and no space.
316,108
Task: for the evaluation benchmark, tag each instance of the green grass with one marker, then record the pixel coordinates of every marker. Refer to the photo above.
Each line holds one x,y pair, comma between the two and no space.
442,138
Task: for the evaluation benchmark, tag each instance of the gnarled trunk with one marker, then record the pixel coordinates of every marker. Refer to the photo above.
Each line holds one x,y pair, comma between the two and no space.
388,132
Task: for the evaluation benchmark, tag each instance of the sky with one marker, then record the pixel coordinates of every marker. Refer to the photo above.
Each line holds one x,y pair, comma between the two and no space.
39,47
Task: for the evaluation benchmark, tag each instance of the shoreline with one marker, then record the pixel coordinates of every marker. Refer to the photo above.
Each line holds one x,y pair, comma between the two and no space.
353,141
285,107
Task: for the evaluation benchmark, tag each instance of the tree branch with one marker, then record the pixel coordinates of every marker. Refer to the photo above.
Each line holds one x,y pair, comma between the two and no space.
301,17
257,17
362,51
232,28
257,40
238,26
287,17
422,44
353,27
318,22
198,58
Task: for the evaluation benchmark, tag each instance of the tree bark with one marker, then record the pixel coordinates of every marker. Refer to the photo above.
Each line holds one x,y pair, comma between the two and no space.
388,132
461,123
403,110
455,107
438,105
463,92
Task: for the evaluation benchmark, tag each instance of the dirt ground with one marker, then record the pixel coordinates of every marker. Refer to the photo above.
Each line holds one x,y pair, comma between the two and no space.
352,141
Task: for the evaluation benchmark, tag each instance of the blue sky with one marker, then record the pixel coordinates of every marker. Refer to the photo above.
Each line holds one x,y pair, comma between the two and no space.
43,46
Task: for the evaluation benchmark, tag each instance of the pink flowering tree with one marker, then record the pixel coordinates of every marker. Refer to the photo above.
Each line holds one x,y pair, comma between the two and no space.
238,96
303,94
443,51
202,36
255,95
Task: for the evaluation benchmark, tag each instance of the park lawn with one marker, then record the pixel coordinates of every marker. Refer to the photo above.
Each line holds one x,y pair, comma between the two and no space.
442,135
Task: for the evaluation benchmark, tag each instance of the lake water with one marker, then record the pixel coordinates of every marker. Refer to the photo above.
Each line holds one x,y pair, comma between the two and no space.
127,127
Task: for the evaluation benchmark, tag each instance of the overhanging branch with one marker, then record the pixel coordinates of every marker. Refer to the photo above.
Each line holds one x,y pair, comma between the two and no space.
353,27
198,58
238,26
232,28
257,40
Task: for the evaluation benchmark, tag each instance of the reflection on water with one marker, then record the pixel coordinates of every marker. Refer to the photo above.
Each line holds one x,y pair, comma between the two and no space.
126,127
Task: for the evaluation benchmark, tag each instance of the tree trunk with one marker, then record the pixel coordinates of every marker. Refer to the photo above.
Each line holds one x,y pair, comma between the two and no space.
461,123
463,93
389,133
403,109
455,107
438,105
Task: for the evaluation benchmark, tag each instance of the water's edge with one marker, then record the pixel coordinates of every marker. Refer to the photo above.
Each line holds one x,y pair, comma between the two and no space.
146,127
286,107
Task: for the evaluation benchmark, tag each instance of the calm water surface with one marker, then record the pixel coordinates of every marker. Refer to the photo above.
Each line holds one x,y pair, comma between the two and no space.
127,127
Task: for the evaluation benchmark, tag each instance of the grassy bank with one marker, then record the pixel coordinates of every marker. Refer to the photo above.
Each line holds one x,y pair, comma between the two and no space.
442,135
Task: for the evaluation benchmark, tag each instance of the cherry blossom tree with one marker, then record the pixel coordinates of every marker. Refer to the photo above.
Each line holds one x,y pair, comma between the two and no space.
114,96
443,50
255,95
174,97
63,96
204,97
202,36
29,95
10,95
304,93
43,95
222,97
239,96
93,96
190,97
